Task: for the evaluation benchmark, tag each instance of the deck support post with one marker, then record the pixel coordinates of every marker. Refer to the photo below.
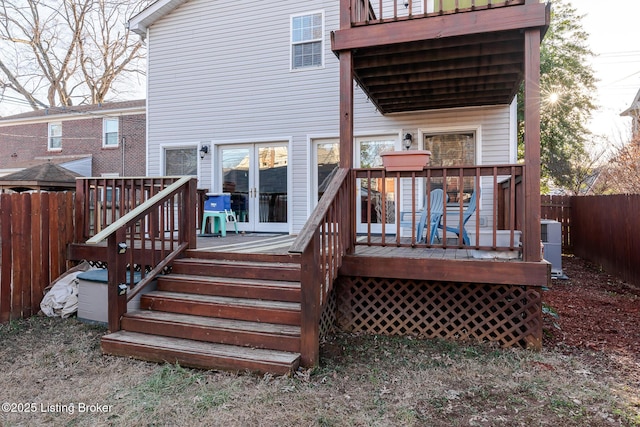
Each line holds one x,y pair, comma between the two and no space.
116,271
310,283
531,249
346,110
346,119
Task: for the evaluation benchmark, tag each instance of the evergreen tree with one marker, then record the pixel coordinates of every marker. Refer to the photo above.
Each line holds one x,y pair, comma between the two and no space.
567,87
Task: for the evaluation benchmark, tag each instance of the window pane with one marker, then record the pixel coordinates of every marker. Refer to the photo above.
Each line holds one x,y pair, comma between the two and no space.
111,125
55,136
378,192
110,132
181,161
272,180
453,149
56,130
307,29
328,158
307,55
111,139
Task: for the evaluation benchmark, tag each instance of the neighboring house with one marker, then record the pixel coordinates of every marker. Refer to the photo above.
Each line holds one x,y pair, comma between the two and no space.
263,100
91,140
634,112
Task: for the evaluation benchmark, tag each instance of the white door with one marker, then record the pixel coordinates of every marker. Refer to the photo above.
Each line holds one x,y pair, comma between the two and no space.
378,192
256,175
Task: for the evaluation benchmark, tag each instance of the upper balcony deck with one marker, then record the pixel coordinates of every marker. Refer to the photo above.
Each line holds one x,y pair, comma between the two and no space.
380,11
435,54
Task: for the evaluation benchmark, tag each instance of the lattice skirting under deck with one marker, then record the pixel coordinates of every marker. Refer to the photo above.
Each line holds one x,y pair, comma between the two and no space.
507,314
329,315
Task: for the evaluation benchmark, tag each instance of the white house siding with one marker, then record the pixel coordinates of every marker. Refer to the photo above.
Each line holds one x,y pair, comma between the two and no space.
219,72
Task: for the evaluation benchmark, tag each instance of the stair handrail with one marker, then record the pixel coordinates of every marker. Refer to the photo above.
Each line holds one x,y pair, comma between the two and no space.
322,243
131,238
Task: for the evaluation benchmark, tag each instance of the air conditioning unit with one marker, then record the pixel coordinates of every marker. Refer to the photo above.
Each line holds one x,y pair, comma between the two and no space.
551,236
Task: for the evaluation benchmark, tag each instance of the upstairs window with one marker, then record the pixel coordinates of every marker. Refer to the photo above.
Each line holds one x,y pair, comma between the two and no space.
307,41
110,132
55,136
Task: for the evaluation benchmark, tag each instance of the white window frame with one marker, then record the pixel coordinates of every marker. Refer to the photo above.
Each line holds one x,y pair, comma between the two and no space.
476,129
174,146
292,43
50,136
105,122
473,128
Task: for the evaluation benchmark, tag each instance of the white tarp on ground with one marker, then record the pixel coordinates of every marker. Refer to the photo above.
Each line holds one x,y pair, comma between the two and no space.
61,300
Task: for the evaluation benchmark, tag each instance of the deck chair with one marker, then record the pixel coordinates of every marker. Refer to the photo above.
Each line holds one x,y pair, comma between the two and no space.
471,208
436,211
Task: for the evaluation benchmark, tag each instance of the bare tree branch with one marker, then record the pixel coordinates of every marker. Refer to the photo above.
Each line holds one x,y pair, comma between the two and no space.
66,52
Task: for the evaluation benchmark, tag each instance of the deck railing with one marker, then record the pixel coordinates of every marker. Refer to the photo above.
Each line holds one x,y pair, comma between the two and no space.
102,201
378,11
144,241
382,215
323,241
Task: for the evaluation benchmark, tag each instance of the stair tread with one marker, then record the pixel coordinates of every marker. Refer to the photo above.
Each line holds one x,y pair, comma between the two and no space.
253,303
231,280
180,345
276,264
214,322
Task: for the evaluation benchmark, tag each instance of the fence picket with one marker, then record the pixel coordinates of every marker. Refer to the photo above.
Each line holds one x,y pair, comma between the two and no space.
5,267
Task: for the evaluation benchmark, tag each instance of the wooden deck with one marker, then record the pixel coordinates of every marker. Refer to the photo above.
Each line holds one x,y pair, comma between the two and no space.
419,263
257,243
272,243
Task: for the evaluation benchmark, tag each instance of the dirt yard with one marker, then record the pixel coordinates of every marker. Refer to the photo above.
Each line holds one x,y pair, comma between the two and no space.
587,375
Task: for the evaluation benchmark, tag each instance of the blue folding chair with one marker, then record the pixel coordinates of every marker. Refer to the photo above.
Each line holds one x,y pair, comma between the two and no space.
471,208
435,211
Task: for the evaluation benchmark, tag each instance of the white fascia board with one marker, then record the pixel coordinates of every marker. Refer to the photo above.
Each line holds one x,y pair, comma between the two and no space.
139,23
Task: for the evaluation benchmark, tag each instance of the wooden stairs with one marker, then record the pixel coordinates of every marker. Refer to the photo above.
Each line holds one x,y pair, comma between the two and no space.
238,312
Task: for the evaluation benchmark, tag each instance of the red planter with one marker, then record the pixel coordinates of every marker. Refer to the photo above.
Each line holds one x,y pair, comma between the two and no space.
410,160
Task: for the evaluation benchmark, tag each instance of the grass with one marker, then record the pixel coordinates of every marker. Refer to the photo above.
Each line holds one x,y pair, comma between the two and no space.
362,381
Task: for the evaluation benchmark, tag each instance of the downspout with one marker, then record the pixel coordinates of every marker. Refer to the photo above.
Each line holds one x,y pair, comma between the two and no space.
124,140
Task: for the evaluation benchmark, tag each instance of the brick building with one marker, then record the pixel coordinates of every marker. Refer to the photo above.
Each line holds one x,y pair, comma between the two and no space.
92,140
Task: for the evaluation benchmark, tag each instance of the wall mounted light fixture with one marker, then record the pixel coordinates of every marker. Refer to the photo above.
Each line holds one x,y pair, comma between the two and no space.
203,151
407,141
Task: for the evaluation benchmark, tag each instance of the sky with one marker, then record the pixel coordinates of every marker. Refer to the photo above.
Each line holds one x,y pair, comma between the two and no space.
614,38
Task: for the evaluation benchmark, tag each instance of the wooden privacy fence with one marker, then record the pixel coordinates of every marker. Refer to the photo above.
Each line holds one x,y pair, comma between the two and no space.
558,208
606,230
35,231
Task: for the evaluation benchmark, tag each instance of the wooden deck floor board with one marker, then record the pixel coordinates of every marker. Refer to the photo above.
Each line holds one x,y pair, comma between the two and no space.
253,243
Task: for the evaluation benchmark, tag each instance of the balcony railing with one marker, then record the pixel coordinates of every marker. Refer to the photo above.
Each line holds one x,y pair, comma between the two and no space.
390,206
378,11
